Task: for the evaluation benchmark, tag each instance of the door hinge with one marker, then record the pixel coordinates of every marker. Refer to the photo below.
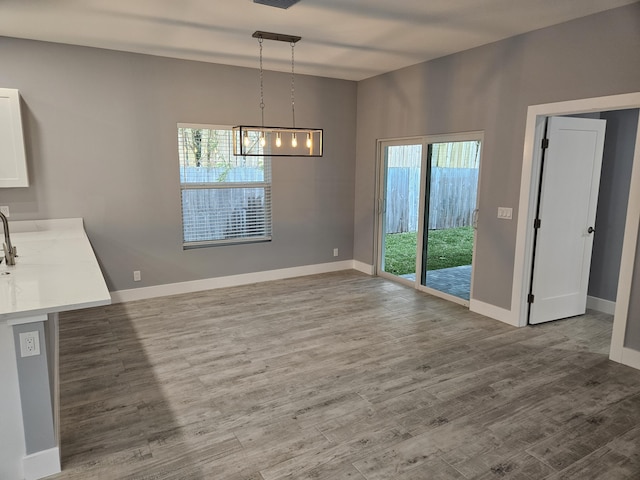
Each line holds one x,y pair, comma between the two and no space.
545,143
536,223
530,298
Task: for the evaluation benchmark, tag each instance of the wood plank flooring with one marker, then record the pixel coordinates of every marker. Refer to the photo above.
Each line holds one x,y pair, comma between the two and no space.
339,376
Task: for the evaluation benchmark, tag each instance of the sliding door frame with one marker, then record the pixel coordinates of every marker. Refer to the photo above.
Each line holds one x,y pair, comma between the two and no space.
425,140
380,199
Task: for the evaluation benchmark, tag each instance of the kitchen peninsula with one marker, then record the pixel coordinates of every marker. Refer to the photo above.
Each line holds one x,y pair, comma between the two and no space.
56,270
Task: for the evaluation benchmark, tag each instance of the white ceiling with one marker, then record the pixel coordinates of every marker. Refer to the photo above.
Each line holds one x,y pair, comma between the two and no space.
349,39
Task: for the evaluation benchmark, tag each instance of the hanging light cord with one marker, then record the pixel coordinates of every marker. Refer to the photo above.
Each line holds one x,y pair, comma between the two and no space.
293,86
260,40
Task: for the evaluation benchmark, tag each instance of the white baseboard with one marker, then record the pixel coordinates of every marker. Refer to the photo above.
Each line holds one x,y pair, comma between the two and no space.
630,357
362,267
601,305
120,296
41,464
492,311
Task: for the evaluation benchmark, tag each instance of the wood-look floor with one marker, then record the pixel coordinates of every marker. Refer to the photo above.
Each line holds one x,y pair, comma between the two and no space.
339,376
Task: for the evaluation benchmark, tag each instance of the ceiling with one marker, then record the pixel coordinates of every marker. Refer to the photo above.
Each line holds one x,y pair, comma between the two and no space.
348,39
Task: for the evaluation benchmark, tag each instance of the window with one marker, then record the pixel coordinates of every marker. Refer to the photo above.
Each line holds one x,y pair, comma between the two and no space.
225,199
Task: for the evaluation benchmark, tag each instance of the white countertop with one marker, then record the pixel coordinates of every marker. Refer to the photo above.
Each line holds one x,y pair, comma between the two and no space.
56,270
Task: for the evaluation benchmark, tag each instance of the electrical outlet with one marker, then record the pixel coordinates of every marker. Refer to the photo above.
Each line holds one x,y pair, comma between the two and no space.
136,276
29,344
335,252
5,211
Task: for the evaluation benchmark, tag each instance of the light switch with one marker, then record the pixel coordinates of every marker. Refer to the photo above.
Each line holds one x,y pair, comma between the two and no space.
505,213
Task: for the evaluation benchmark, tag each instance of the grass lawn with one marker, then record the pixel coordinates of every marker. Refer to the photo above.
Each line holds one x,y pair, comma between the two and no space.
450,247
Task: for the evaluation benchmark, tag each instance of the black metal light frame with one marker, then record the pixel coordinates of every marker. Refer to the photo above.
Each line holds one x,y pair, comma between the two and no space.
263,141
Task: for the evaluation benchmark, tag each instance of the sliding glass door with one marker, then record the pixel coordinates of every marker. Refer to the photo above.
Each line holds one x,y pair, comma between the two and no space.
427,201
399,208
449,220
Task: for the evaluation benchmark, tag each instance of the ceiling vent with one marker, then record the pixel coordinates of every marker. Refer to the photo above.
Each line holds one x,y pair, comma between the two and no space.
277,3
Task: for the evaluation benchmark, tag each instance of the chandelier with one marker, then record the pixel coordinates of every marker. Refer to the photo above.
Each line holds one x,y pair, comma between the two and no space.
291,141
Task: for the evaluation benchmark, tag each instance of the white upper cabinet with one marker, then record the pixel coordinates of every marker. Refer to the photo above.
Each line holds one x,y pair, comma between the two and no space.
13,161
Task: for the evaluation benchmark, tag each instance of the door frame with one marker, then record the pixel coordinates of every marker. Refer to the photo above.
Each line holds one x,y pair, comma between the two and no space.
536,116
425,140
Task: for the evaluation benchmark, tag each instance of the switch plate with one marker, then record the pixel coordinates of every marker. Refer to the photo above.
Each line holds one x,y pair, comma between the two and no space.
29,344
505,213
335,252
136,276
5,211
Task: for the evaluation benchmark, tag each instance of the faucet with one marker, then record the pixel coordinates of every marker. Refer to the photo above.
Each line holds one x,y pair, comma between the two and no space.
9,250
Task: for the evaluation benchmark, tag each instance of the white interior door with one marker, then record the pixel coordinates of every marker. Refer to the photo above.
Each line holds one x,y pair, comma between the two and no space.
566,218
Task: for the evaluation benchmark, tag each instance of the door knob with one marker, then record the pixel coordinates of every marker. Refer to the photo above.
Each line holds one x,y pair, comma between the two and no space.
591,230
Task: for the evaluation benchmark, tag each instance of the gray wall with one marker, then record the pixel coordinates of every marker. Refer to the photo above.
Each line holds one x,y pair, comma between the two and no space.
102,145
615,181
489,88
101,142
35,392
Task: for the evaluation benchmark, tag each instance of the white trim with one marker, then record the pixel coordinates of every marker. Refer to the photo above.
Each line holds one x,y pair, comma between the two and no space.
492,311
627,262
143,293
601,305
363,267
41,464
630,357
534,133
522,259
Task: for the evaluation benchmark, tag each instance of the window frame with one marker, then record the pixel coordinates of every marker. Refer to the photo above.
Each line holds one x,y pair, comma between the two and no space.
265,184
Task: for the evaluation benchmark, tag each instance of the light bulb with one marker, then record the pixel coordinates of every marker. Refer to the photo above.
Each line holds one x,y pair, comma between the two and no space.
278,139
263,140
294,140
309,143
246,139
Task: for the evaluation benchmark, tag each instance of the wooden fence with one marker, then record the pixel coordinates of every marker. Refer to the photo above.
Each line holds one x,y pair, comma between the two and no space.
452,198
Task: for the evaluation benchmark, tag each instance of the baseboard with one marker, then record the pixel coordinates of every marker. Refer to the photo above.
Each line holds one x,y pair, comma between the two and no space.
492,311
41,464
143,293
601,305
362,267
630,357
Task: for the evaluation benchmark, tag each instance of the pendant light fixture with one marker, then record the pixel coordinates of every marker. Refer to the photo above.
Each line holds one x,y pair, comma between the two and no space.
261,141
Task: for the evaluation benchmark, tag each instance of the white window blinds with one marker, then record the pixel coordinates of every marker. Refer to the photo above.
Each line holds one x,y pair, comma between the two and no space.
225,199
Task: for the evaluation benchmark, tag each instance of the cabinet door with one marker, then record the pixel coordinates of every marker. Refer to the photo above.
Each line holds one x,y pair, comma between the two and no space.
13,161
